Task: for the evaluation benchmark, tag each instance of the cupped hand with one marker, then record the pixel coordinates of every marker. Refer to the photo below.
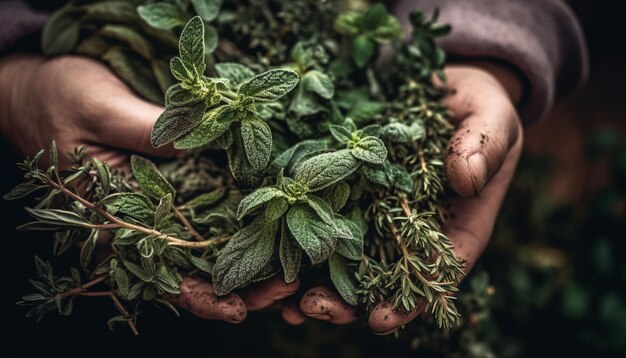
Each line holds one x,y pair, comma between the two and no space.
79,101
480,162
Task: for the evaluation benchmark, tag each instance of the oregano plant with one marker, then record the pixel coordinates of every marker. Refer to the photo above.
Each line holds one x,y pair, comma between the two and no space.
300,156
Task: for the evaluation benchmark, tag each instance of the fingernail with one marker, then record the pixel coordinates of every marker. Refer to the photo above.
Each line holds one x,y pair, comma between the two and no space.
477,165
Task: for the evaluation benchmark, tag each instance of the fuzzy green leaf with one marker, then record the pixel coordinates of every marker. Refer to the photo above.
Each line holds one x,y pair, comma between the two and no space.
257,198
321,208
104,173
337,195
176,121
111,11
180,71
351,245
88,247
135,205
275,208
177,96
213,125
138,271
61,32
21,191
341,133
317,238
257,141
326,169
234,72
134,39
363,49
134,72
375,16
201,264
207,9
318,82
343,278
348,23
210,39
245,255
58,217
370,150
191,45
150,178
290,255
162,15
165,205
270,85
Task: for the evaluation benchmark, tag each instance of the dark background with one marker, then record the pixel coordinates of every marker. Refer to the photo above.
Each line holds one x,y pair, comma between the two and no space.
568,221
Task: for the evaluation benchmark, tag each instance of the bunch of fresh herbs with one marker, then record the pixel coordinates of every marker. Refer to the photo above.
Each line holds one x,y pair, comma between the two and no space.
303,156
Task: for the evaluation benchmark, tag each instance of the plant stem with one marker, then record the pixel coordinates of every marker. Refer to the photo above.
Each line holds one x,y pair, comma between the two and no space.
84,287
205,243
117,303
187,224
115,222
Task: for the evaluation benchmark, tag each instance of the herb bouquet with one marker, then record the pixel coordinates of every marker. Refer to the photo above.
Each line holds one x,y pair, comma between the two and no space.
304,158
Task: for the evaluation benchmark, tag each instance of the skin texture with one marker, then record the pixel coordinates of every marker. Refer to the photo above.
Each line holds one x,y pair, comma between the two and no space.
75,101
480,162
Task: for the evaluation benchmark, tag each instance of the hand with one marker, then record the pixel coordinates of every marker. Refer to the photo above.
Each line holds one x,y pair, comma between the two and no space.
480,163
75,101
78,101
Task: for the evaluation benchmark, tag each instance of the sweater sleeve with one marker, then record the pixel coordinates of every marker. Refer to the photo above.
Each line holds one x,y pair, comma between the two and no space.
18,20
541,38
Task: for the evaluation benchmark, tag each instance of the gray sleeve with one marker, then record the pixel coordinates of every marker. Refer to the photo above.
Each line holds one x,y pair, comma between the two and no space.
542,38
17,20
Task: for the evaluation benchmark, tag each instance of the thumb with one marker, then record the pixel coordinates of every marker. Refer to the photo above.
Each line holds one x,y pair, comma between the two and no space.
489,126
129,122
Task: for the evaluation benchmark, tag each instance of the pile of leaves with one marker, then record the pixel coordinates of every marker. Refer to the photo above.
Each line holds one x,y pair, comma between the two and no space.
304,158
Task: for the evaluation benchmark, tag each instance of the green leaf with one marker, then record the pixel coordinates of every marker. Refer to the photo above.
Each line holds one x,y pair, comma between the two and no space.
341,133
245,255
54,154
342,276
214,124
165,205
350,246
167,280
150,178
292,155
362,50
234,72
134,72
201,264
326,169
135,205
257,141
402,133
176,121
134,39
315,237
59,217
88,247
370,150
399,177
138,271
375,16
257,198
348,23
290,254
121,279
275,208
240,167
61,32
177,96
103,173
111,11
391,30
337,195
205,199
191,46
162,15
210,39
321,208
318,82
270,85
163,75
180,71
207,9
22,190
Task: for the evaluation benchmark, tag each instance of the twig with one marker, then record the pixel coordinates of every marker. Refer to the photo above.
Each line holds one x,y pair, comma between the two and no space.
187,224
